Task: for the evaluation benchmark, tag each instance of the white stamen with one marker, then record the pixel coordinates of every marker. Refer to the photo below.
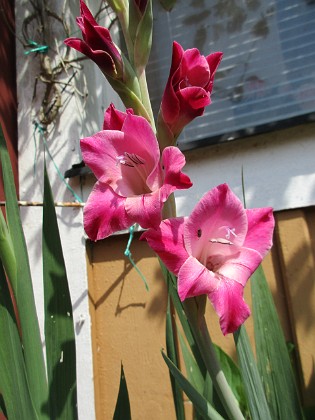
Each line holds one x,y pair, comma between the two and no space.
120,159
229,231
220,241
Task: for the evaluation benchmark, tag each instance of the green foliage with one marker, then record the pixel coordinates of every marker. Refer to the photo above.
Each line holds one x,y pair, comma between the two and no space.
234,378
122,409
254,390
273,358
172,353
59,330
195,365
204,408
23,381
172,290
13,380
143,38
23,290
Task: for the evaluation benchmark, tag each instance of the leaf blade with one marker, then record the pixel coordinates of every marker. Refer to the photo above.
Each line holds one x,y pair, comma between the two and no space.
200,403
13,380
122,409
272,355
256,398
172,353
59,329
23,290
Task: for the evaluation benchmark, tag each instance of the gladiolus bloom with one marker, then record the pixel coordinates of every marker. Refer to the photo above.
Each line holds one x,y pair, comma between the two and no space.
133,181
97,44
215,250
188,88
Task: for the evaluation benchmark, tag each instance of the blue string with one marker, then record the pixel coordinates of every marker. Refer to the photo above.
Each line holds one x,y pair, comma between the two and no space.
129,255
41,131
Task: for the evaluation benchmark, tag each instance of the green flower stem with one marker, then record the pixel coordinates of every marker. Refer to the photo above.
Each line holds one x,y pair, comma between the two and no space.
145,96
164,134
123,17
169,208
202,337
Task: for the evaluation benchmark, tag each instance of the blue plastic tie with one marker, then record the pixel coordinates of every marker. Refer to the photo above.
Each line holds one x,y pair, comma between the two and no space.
38,48
129,255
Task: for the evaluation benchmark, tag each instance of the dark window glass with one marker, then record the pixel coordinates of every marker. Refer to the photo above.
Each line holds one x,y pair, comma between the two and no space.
267,77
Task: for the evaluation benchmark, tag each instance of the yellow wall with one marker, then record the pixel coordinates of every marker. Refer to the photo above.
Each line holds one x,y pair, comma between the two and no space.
128,323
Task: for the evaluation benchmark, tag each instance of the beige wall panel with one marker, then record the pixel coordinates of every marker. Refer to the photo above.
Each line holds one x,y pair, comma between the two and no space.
128,327
297,256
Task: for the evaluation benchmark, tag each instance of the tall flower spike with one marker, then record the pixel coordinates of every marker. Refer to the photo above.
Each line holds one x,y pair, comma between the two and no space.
98,45
215,250
133,181
187,91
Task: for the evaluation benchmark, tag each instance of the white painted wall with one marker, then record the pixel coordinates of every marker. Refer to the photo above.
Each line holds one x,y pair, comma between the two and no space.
78,117
279,169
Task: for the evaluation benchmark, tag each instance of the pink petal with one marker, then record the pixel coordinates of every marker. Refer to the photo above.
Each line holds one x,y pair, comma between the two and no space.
86,14
145,209
170,104
114,119
195,67
193,100
80,22
241,267
260,230
173,161
167,242
101,58
217,211
194,279
104,213
177,56
141,139
213,60
99,38
100,152
229,304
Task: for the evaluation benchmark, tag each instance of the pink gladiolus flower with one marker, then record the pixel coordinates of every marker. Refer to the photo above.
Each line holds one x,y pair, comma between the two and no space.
133,181
97,44
215,250
188,88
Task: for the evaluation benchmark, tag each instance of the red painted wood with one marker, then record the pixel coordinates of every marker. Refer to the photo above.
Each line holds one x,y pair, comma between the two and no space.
8,99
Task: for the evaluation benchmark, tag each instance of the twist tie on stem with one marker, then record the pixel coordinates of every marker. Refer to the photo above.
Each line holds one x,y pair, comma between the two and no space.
41,129
128,254
38,48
